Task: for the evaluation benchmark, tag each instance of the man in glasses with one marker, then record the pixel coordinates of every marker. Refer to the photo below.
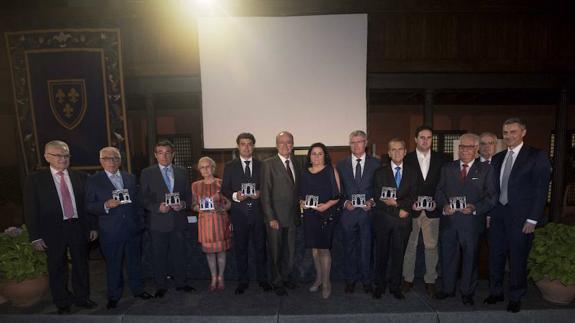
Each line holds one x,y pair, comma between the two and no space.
58,225
111,196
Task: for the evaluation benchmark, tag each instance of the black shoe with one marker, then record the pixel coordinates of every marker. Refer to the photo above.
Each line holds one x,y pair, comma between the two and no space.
443,295
265,286
280,291
143,295
430,288
86,303
111,304
377,292
241,288
160,293
513,307
467,300
493,299
367,288
186,289
398,294
349,288
406,286
64,310
290,285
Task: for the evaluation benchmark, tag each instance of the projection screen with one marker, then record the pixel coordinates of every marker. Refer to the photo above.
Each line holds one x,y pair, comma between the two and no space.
303,74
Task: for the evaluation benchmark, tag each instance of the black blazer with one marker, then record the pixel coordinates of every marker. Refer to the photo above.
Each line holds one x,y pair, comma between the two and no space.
405,196
427,186
42,208
232,181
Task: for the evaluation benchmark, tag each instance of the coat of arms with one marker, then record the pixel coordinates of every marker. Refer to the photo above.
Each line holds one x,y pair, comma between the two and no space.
68,101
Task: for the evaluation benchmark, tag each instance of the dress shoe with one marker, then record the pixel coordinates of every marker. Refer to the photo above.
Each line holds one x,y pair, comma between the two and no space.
86,303
349,288
290,285
397,294
265,286
64,310
493,299
406,286
430,288
377,292
241,288
280,291
444,295
144,295
367,288
513,307
160,293
467,300
185,288
111,304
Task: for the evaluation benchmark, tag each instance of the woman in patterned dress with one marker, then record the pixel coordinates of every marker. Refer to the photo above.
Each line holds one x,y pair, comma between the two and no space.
213,222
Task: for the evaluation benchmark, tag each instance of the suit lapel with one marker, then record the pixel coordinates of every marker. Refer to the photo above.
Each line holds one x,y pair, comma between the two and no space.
519,161
160,179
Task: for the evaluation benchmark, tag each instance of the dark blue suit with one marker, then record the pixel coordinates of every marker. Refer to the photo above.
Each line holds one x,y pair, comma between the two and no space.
459,232
356,224
120,231
527,195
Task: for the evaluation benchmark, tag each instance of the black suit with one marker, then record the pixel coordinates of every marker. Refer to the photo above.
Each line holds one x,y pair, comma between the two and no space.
247,219
427,186
45,220
166,229
391,231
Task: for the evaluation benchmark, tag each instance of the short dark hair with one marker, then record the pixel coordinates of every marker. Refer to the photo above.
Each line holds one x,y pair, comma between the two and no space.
516,120
246,135
326,157
421,128
165,143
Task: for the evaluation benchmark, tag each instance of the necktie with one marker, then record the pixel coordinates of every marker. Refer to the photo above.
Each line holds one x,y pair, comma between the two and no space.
66,198
117,181
397,176
358,170
463,173
505,178
289,171
167,179
247,171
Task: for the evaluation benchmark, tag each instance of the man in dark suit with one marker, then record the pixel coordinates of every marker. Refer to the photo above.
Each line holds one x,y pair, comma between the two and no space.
119,222
391,218
167,221
57,224
522,177
245,213
279,198
460,228
428,163
356,175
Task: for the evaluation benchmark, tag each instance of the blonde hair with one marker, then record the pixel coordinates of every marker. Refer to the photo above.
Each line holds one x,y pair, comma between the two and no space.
210,161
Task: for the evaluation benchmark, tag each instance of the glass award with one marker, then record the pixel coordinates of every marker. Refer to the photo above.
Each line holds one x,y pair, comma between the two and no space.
358,200
172,199
122,195
249,189
425,202
388,193
458,203
311,201
207,204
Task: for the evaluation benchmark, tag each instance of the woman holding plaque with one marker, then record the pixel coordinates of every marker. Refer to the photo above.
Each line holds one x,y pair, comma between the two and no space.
319,194
213,222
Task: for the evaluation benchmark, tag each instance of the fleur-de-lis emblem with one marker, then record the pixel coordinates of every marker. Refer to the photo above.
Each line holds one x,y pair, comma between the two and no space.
68,101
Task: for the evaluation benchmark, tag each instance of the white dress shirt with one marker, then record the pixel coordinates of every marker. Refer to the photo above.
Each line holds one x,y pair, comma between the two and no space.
283,159
424,161
354,163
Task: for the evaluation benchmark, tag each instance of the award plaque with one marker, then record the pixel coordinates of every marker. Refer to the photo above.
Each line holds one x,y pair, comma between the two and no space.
122,195
172,199
425,202
311,201
207,204
388,193
358,200
249,189
458,203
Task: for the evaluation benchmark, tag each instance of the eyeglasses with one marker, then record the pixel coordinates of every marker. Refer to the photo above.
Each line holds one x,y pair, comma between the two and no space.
59,156
356,142
111,159
467,147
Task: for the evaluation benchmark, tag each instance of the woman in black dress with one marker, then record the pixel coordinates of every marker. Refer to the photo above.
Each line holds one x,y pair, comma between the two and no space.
319,180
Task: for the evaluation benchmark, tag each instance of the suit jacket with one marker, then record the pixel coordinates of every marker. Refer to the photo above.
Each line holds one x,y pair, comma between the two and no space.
477,187
42,208
347,178
279,196
427,186
528,182
153,190
120,222
234,176
405,196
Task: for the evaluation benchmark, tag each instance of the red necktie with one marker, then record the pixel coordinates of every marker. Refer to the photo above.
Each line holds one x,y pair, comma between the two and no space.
463,172
66,198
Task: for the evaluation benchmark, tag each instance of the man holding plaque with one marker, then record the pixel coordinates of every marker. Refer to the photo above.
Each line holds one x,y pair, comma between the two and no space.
111,196
391,218
241,185
167,221
356,175
469,186
522,179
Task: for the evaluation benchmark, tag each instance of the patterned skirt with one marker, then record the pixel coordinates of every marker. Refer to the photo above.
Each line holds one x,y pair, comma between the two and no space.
214,231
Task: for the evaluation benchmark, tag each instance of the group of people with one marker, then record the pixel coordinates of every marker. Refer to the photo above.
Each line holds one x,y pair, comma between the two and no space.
381,207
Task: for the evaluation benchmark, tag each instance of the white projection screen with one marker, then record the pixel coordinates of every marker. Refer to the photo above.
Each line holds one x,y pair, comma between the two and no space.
304,74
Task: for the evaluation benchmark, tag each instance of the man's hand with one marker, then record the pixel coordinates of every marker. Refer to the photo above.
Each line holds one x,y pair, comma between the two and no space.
39,245
111,203
240,196
469,209
93,235
389,202
274,224
256,196
164,208
403,214
178,207
447,210
349,206
528,227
